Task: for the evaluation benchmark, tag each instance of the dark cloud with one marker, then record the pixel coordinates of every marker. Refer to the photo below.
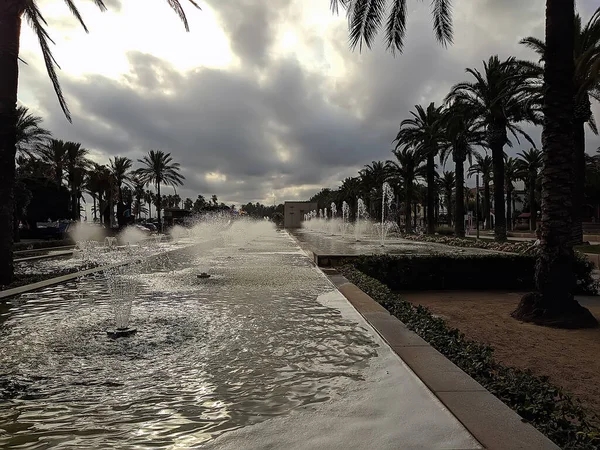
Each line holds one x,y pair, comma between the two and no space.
273,125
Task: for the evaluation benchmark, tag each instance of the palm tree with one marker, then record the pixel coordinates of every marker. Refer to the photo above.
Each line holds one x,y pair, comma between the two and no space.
366,19
372,178
159,168
11,13
484,166
553,303
447,184
120,167
30,135
139,194
586,78
55,154
512,173
425,132
409,167
462,133
500,98
530,165
77,163
350,191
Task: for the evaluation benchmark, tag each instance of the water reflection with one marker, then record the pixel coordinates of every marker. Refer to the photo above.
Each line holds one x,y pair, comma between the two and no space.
210,355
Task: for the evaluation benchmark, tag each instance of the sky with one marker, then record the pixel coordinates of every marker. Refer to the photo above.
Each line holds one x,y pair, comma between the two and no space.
260,101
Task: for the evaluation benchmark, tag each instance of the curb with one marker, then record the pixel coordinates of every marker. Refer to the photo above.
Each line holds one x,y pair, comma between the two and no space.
491,422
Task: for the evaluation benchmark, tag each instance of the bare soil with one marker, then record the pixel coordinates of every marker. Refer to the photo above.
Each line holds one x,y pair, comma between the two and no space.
571,358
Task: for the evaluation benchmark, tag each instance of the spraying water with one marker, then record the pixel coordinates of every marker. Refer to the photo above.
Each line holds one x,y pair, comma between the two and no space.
333,210
361,212
345,215
386,201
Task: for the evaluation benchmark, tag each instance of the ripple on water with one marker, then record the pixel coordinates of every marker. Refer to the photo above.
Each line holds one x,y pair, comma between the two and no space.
210,356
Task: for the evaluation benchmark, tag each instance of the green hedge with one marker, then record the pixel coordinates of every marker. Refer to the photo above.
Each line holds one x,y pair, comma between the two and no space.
491,271
553,412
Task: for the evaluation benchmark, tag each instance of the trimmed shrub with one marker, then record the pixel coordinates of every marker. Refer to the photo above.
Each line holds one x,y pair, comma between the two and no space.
547,407
445,230
408,272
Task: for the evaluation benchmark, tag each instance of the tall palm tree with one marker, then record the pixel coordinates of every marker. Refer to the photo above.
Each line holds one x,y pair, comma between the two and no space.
76,162
350,191
409,167
55,154
462,133
530,165
372,178
447,184
512,173
586,78
484,166
120,167
30,134
139,194
366,19
553,303
11,13
500,97
158,168
425,132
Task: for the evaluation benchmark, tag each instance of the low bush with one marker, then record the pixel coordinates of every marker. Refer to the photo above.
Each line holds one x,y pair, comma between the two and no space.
445,230
552,411
416,272
583,268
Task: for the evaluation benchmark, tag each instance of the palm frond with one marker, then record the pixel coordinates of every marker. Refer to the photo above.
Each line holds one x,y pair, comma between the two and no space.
396,26
442,21
366,18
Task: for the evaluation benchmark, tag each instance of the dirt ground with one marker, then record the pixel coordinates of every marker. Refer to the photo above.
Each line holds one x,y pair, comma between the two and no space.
571,358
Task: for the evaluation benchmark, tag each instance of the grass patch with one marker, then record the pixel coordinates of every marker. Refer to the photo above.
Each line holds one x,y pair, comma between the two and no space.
547,407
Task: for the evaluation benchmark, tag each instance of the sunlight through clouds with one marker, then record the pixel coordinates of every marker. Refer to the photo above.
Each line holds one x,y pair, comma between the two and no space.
147,26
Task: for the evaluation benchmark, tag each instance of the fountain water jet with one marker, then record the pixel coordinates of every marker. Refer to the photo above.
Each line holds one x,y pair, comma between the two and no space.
361,212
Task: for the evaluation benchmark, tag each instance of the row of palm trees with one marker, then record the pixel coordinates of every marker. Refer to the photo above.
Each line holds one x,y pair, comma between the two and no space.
407,173
554,93
487,112
117,183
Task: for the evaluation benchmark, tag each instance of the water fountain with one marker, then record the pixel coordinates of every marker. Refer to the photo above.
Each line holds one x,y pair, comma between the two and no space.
387,197
122,287
345,216
361,212
110,243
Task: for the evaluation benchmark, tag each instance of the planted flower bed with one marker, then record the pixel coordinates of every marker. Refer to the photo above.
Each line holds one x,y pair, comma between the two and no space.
552,411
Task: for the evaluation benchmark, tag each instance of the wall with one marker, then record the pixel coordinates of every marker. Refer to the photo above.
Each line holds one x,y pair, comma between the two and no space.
293,213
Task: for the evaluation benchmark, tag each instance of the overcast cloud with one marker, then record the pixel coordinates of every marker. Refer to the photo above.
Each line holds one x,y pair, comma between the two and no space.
261,101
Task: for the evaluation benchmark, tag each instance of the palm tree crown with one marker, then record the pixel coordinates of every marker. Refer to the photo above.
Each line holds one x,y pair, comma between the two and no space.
366,18
30,135
158,168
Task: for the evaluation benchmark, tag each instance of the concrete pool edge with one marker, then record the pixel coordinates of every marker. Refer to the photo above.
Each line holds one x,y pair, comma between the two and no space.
490,421
8,293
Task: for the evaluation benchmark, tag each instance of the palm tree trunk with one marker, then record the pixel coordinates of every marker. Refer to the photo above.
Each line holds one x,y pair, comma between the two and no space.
94,199
497,140
408,208
532,208
553,304
487,215
430,192
10,31
459,206
509,208
579,188
449,207
158,203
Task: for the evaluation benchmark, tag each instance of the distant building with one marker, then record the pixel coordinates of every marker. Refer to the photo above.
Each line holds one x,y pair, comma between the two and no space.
293,213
